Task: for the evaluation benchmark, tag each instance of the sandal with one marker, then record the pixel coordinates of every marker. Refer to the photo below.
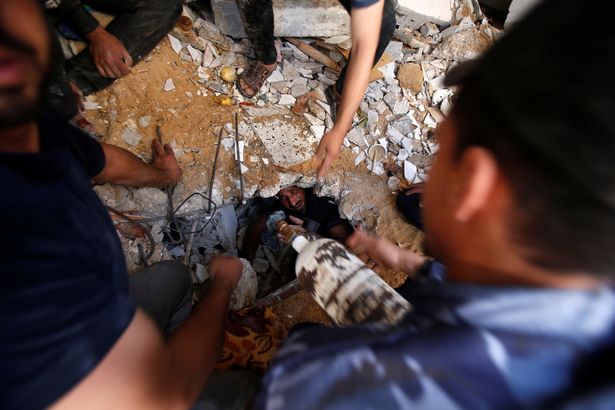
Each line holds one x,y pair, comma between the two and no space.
254,77
258,73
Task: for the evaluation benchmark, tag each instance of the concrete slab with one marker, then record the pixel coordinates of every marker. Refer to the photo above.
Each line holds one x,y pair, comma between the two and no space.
296,18
286,137
439,11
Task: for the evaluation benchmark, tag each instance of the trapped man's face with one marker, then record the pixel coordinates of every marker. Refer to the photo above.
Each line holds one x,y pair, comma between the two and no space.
293,198
24,57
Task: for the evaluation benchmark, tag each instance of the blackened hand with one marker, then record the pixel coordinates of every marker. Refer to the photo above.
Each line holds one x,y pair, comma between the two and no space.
164,160
109,54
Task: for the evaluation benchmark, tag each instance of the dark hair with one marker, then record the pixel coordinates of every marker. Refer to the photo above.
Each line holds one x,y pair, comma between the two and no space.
555,225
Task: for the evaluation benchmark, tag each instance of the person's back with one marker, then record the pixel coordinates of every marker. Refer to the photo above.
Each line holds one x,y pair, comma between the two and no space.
521,302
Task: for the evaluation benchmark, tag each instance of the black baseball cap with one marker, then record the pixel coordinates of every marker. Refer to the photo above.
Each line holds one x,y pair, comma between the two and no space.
551,79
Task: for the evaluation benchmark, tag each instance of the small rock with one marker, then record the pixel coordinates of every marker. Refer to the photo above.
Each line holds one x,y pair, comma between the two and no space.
131,136
380,107
397,105
289,72
359,158
318,130
280,86
244,169
276,76
185,56
410,75
357,136
387,70
372,117
429,29
145,121
409,171
209,55
394,49
298,90
407,144
228,143
393,183
197,55
246,289
176,45
439,95
394,135
286,99
202,73
168,85
311,119
404,125
403,154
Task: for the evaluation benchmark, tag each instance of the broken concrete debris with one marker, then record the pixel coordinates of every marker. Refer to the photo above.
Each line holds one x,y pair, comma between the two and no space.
392,133
168,85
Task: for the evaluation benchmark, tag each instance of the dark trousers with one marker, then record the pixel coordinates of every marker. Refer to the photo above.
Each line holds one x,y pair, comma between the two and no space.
257,16
138,24
164,291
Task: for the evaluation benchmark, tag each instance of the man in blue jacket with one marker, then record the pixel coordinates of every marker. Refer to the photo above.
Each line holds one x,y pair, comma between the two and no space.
520,211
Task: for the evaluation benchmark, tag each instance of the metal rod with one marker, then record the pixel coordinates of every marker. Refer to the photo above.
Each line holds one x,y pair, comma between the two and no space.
213,170
238,157
169,189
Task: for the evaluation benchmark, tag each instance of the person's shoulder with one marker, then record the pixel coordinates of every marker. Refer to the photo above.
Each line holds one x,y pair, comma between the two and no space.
372,359
86,150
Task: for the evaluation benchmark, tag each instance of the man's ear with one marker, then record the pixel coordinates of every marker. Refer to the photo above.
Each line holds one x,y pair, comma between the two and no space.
478,174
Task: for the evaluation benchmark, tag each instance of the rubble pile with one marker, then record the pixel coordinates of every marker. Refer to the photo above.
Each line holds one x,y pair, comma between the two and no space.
186,87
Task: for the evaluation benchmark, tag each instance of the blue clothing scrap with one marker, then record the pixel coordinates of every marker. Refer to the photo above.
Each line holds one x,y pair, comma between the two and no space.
64,295
462,347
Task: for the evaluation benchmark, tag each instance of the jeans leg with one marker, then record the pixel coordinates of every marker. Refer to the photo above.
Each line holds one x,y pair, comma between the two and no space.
386,34
164,291
257,17
139,25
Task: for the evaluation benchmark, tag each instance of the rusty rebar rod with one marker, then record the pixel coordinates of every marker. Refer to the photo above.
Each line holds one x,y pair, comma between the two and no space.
213,170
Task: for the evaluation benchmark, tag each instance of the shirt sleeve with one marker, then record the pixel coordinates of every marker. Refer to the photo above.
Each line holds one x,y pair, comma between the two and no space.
87,150
358,4
76,13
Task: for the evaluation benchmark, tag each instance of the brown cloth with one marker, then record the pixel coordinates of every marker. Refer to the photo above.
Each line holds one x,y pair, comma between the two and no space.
253,336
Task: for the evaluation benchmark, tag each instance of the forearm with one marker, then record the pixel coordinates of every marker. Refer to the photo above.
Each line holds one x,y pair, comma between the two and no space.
125,168
365,31
196,345
409,262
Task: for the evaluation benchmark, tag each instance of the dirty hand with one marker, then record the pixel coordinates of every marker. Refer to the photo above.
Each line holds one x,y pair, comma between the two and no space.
328,150
383,252
295,221
110,56
225,270
415,188
164,161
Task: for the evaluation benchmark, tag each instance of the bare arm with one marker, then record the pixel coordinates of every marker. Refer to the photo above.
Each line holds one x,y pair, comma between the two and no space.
384,253
365,28
125,168
340,232
144,371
